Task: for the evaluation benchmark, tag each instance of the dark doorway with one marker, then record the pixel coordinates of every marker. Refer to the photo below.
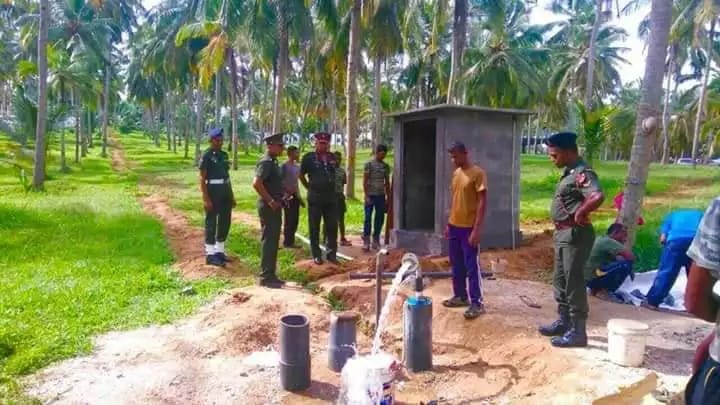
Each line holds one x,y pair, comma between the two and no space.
419,175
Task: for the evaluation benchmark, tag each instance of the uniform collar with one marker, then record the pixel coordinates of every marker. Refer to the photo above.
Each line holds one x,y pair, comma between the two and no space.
575,167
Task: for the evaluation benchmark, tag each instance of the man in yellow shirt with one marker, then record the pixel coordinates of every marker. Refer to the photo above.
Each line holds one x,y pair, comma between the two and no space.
467,212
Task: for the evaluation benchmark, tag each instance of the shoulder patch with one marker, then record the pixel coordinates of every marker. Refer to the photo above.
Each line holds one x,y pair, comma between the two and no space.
582,179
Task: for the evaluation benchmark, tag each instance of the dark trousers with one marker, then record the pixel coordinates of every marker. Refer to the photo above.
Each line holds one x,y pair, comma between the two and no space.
615,275
271,222
572,249
217,220
290,223
323,211
463,259
704,386
673,257
340,210
377,204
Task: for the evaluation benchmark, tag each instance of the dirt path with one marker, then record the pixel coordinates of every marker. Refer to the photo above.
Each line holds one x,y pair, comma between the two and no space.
185,240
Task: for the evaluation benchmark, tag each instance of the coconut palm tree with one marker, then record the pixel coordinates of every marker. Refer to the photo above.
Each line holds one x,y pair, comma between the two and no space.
505,61
384,38
351,118
460,15
42,63
647,114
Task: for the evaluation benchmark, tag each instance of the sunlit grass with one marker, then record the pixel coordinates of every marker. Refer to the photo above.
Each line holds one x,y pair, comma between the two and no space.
78,259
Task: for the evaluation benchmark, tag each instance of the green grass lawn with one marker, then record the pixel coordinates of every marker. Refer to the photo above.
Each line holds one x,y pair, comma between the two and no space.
79,259
538,179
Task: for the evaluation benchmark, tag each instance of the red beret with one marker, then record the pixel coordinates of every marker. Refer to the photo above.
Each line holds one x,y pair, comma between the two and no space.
322,136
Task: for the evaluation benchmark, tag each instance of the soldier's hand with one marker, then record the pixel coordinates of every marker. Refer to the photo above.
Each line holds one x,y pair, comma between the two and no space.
581,218
274,205
208,205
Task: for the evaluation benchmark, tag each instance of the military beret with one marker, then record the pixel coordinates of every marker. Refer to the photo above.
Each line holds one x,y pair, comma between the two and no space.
562,140
275,139
215,133
322,136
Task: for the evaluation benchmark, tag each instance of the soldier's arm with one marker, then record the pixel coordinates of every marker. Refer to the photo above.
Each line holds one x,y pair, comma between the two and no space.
203,178
303,172
589,185
261,173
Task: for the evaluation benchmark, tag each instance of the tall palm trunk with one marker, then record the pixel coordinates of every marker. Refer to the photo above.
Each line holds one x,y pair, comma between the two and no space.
377,128
218,99
458,47
233,106
351,129
76,110
166,113
592,52
40,140
250,108
282,63
666,104
186,122
660,17
199,123
106,99
702,101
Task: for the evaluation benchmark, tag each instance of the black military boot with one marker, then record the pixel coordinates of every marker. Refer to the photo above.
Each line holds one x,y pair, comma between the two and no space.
557,328
575,337
213,260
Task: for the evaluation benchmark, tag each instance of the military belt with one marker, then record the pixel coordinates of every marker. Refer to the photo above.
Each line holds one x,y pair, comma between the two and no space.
566,224
217,181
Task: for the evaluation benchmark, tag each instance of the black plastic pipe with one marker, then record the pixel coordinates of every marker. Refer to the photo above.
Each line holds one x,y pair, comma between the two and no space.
429,274
294,352
342,339
417,333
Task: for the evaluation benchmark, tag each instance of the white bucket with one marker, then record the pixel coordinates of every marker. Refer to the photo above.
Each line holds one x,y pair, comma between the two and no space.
626,342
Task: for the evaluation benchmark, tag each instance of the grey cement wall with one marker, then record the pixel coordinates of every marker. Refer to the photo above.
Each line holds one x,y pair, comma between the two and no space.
493,140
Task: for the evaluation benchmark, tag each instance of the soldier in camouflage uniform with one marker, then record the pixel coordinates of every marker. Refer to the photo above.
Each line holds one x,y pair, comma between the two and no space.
268,185
577,195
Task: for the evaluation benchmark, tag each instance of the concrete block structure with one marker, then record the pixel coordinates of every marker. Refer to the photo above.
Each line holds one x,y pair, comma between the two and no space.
422,173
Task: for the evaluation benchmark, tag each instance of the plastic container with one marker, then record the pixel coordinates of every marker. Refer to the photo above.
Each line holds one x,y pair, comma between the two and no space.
626,342
342,338
387,371
294,352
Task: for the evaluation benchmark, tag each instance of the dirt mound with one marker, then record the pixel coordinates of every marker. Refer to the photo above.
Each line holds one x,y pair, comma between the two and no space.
186,242
533,260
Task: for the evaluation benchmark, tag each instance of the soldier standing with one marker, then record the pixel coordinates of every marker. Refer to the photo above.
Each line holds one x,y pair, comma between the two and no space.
268,185
317,174
577,195
218,198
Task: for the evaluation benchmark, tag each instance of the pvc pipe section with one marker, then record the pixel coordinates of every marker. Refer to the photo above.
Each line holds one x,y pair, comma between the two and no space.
428,274
342,339
294,352
417,333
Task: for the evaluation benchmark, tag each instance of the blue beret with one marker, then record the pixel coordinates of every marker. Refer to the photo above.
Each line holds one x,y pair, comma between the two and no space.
322,136
562,140
215,132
